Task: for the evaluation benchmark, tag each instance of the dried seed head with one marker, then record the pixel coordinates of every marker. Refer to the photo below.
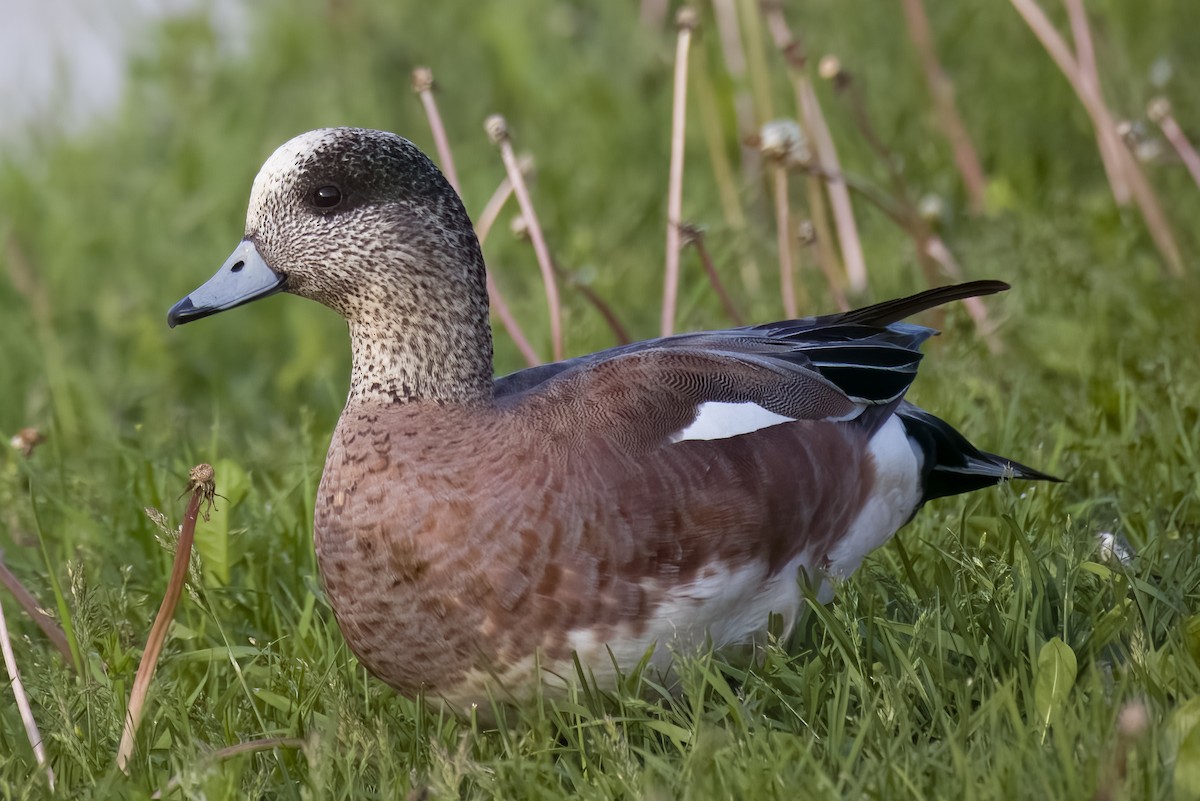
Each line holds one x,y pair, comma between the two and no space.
422,80
26,440
497,128
1158,109
782,141
806,232
1133,720
829,67
519,227
201,479
932,208
686,19
525,165
689,233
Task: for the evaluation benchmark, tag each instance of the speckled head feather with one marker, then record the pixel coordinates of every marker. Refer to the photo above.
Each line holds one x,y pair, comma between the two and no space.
658,496
396,256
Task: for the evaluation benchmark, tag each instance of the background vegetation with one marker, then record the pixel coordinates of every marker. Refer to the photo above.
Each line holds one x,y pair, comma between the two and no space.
988,652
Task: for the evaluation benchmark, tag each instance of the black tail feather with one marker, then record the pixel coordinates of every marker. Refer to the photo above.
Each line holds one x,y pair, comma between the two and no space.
952,464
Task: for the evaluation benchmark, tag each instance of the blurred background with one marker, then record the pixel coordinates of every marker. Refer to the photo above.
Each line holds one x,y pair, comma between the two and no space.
131,131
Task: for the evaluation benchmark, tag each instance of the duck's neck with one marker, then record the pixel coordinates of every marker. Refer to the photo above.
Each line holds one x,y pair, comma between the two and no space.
422,341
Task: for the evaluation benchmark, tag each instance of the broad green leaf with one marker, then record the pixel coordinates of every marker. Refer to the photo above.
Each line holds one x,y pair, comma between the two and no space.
1056,668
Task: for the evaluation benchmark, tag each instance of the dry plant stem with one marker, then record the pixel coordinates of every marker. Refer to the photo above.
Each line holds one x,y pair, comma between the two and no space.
729,32
619,331
942,88
1093,103
498,130
487,218
936,249
1107,141
932,252
727,189
422,79
14,680
221,754
202,489
848,88
826,152
783,236
756,59
695,237
1160,112
686,22
505,315
32,608
818,210
422,82
491,212
830,273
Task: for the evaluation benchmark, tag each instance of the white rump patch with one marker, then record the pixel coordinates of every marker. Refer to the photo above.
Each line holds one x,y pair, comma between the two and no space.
721,420
893,499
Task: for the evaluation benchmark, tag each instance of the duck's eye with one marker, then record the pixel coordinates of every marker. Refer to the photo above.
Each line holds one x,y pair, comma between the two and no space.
326,197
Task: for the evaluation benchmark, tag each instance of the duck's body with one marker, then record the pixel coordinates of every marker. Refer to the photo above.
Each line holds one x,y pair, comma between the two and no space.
475,534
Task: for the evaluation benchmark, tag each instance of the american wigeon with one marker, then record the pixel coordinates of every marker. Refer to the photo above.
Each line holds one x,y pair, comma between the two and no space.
470,528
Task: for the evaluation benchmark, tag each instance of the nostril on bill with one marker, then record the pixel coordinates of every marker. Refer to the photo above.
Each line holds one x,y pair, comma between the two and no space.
237,268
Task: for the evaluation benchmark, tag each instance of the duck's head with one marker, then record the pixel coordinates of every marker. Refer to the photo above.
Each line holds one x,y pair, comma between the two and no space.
356,219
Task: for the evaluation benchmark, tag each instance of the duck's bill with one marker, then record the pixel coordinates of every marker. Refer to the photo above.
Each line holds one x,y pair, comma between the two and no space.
243,277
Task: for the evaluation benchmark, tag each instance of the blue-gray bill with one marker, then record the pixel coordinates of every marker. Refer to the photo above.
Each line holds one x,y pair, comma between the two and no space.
244,277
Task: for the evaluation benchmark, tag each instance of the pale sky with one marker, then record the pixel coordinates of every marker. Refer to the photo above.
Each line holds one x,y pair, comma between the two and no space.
63,61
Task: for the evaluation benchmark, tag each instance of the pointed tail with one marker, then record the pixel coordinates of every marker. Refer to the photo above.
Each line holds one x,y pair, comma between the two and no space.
952,464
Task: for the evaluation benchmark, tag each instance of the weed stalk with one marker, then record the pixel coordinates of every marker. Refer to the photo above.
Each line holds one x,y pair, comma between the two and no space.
1102,118
18,688
497,130
685,21
1159,111
822,142
203,489
966,158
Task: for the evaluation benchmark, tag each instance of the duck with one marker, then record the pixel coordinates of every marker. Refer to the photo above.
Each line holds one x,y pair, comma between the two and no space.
477,535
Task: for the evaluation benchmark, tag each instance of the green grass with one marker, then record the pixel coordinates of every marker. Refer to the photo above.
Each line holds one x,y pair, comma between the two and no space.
943,667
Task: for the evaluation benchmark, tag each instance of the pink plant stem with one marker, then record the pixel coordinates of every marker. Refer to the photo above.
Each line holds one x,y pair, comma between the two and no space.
1107,142
26,712
32,608
487,218
505,315
1160,112
812,245
422,81
729,31
696,238
783,232
497,129
423,85
686,22
937,250
1093,103
950,121
202,489
824,148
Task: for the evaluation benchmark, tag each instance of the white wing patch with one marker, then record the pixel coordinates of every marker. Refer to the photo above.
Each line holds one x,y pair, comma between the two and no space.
721,420
895,496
